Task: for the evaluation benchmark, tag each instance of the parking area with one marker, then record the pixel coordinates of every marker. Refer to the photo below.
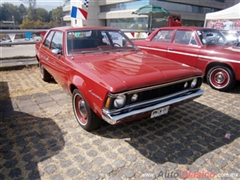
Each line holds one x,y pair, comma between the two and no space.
40,138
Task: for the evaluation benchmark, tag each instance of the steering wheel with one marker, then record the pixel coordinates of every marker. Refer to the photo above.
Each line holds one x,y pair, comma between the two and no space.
116,45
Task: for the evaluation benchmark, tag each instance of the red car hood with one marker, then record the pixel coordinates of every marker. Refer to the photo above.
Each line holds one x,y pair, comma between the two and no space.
229,52
130,70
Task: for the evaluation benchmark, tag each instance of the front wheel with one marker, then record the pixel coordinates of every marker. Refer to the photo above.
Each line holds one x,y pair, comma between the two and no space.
221,78
87,119
45,76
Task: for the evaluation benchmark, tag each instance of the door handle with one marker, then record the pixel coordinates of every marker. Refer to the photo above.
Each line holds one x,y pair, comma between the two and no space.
149,46
170,49
46,58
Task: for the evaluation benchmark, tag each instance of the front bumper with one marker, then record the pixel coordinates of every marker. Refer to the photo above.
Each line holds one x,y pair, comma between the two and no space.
115,119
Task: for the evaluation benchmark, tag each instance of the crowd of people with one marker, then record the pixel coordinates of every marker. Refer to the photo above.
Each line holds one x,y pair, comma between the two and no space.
224,24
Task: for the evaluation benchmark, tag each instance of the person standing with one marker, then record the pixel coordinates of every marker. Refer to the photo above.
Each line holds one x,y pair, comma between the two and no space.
177,22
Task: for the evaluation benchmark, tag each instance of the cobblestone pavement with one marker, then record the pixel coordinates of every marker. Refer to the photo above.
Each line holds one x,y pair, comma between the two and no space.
40,138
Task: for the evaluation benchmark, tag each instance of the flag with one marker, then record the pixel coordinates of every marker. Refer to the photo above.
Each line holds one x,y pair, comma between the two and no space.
12,36
132,33
28,34
42,33
85,3
78,13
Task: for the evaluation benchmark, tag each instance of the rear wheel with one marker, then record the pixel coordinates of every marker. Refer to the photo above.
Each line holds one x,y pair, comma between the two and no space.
83,113
45,76
221,78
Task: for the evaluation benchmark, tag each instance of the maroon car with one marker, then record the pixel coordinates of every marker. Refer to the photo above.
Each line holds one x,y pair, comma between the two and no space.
109,78
202,48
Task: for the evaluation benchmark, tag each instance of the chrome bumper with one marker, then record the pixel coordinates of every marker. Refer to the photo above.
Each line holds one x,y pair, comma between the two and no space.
115,119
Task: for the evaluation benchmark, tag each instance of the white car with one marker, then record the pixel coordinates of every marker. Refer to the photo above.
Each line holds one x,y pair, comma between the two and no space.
5,40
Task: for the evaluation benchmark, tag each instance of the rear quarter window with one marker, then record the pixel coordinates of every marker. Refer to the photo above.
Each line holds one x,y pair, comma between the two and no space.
163,36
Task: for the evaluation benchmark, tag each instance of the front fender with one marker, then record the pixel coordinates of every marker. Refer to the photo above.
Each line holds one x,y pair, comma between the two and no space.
94,93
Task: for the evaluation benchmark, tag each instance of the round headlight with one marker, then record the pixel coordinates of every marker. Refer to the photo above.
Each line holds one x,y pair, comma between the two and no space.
185,85
194,83
120,101
134,97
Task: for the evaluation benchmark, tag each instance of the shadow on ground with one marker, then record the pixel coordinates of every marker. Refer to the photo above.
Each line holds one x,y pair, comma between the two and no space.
188,132
25,140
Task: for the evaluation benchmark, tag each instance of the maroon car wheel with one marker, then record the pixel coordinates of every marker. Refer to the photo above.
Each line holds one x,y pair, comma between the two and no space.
83,113
43,73
221,78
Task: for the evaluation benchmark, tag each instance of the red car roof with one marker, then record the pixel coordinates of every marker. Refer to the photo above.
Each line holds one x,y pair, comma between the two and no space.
70,28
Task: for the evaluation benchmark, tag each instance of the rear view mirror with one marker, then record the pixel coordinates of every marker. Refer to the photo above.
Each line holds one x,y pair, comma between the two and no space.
209,34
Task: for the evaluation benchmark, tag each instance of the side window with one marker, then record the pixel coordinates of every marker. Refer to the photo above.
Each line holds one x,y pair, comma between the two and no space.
184,37
105,38
48,39
57,41
117,39
193,40
163,36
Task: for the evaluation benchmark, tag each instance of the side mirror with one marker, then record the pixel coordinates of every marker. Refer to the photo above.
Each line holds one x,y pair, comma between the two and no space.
57,51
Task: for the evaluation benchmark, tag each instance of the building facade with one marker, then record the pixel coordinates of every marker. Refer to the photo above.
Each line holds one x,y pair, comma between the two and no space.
118,13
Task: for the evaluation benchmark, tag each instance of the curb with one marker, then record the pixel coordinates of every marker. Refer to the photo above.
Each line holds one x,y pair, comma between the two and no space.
11,64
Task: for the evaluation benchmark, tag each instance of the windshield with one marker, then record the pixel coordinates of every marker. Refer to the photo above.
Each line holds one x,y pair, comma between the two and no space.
231,36
95,41
211,37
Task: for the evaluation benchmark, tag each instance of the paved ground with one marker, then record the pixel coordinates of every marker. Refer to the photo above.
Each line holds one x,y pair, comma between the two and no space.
40,138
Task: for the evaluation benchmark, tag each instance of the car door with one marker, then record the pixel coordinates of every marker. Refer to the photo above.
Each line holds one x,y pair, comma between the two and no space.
44,52
184,48
58,64
159,43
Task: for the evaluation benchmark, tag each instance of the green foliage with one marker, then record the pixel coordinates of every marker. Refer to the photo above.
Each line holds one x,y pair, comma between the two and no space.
57,15
27,24
31,17
42,14
9,12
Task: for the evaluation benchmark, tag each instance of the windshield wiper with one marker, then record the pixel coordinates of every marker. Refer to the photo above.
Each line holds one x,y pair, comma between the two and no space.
86,52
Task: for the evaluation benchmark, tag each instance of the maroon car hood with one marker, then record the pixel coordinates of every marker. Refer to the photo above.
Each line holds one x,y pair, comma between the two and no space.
133,70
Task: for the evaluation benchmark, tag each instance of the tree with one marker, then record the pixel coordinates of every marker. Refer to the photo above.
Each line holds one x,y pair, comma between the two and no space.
10,12
38,24
42,14
27,24
3,14
31,9
22,9
32,15
57,15
31,3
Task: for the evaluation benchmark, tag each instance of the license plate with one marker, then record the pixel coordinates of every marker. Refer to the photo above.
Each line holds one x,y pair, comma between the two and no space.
159,112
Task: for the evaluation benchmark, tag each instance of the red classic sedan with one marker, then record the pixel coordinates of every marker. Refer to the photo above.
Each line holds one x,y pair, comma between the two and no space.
205,49
109,78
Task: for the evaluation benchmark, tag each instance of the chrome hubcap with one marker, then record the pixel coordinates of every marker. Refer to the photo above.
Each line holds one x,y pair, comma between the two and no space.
219,77
82,108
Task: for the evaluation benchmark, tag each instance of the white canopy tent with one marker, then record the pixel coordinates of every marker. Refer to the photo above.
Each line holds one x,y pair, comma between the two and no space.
231,13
